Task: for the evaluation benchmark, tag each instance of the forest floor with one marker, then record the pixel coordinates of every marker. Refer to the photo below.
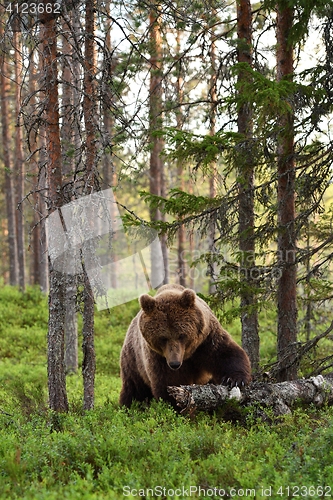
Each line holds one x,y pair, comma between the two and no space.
112,453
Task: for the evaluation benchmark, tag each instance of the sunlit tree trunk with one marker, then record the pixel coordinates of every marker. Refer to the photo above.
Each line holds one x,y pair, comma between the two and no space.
56,369
8,183
156,168
286,294
249,317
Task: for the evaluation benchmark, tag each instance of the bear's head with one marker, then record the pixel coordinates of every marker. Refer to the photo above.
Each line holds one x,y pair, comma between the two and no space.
172,324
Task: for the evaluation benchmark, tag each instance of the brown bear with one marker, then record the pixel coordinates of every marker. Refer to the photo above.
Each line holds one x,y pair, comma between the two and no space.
175,339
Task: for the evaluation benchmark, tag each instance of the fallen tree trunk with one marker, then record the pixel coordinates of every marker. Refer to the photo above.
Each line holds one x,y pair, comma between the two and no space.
280,397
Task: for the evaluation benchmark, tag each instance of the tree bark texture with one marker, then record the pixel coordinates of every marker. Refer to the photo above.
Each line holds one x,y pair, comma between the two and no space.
56,344
42,209
56,369
89,363
280,397
89,99
286,295
33,148
249,317
71,330
67,129
8,184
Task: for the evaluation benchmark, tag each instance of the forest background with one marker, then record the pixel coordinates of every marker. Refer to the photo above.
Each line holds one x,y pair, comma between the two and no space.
212,124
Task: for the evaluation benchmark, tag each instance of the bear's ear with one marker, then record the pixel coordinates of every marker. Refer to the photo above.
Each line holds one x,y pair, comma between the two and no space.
187,299
147,303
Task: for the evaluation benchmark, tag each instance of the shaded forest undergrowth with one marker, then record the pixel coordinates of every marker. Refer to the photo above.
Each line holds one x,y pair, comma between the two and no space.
112,453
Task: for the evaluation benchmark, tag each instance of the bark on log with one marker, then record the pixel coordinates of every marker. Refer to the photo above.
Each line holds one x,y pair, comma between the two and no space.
280,397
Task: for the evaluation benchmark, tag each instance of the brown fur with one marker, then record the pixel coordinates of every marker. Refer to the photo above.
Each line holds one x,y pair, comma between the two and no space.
176,340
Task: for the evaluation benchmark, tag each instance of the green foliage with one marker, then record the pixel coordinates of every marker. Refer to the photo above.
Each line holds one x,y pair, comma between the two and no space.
202,149
180,203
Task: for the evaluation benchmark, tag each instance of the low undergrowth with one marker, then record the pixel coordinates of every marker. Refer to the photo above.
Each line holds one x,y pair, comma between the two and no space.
113,453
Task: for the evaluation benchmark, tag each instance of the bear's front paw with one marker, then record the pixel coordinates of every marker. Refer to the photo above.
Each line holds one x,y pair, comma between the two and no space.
233,381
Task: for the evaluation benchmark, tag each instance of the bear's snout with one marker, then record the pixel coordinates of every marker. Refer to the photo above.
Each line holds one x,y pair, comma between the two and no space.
174,354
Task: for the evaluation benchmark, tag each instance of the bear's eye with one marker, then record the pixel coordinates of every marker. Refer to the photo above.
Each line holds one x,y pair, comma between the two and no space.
182,337
163,340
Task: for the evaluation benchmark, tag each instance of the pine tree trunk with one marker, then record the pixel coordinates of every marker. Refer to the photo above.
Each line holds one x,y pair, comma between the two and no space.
41,204
249,319
67,141
33,147
286,295
8,184
181,268
71,328
89,363
89,112
18,164
56,369
107,100
109,171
